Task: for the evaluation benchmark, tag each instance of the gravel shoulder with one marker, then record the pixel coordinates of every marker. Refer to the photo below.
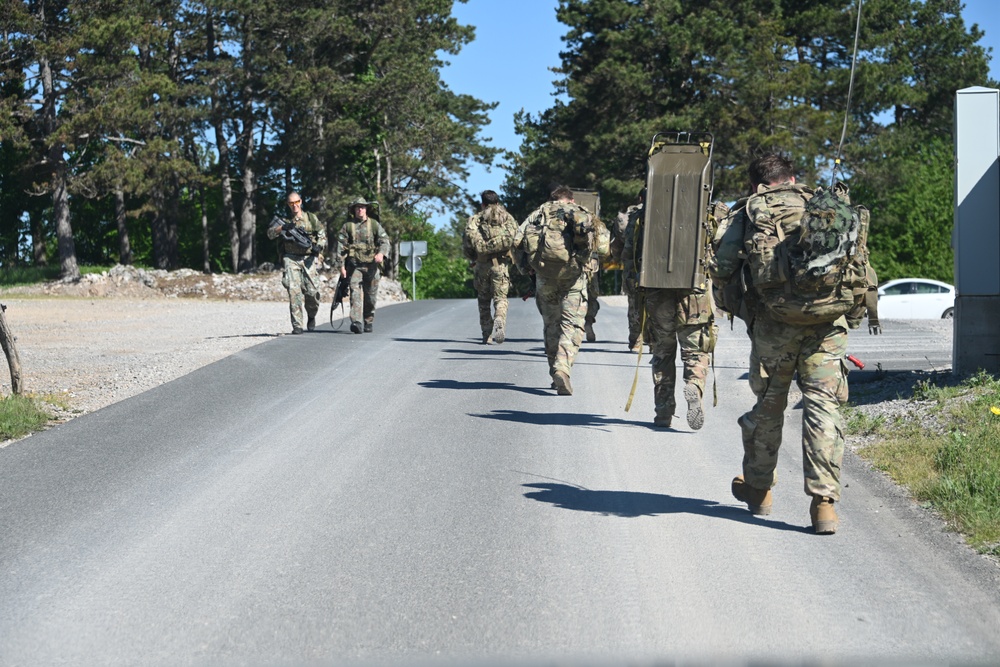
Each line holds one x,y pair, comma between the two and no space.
86,345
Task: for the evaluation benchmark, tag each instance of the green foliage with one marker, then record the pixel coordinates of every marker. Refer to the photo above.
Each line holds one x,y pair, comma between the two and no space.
764,77
950,456
29,275
444,273
213,110
912,202
21,415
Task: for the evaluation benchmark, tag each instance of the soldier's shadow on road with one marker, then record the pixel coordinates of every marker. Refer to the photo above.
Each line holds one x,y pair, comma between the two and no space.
558,418
492,351
257,335
455,384
631,504
464,341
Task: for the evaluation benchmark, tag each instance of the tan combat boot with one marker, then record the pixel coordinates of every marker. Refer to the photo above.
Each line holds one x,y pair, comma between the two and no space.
561,382
824,517
695,413
758,501
499,335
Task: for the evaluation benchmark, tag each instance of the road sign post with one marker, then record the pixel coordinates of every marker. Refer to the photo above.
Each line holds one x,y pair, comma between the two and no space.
413,251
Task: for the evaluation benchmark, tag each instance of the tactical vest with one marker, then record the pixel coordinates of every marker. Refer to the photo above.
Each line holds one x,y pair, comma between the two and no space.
361,245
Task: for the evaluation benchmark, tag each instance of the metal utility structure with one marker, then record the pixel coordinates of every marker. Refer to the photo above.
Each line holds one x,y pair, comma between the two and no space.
976,235
678,191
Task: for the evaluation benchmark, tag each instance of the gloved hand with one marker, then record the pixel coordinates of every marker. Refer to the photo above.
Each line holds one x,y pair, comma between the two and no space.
288,226
314,249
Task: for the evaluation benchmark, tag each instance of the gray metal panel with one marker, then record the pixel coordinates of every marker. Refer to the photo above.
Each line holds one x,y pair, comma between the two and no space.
678,188
976,237
588,199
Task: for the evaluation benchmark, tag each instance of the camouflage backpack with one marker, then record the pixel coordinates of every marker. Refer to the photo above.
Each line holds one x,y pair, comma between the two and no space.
551,241
808,255
491,236
602,238
806,258
725,259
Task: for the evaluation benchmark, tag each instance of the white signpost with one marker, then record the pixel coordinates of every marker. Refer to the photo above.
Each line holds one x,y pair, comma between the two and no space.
413,251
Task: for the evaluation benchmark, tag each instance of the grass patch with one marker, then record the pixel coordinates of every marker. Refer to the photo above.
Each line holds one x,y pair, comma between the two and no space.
21,415
29,275
946,450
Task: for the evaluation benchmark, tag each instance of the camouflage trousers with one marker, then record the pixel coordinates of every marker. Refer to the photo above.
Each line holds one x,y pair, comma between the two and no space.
816,353
364,290
593,292
684,319
299,278
634,314
492,282
562,303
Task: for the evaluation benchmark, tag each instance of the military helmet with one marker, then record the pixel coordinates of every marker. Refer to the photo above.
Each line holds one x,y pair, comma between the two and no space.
359,201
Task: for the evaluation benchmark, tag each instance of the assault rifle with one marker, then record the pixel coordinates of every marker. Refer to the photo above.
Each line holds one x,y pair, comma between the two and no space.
292,234
342,292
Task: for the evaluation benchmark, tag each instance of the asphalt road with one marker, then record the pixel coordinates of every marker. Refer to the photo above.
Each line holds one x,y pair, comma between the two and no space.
413,495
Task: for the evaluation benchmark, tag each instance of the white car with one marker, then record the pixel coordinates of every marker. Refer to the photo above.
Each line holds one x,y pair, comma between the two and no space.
916,299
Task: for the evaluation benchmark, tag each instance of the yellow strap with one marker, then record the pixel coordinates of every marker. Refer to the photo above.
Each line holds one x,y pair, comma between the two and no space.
642,332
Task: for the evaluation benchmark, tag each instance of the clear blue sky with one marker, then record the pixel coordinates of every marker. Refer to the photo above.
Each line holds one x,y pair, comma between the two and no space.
518,42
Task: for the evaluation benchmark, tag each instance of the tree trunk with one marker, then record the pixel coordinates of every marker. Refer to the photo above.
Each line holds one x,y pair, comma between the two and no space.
206,255
38,254
68,268
10,350
247,214
160,231
124,245
222,146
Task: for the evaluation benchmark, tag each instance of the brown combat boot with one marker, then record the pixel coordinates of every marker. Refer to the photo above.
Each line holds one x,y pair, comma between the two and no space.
758,501
824,517
562,385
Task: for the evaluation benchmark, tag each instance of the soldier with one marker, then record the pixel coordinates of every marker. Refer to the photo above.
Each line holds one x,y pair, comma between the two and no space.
630,285
673,318
362,244
488,239
779,351
299,262
556,242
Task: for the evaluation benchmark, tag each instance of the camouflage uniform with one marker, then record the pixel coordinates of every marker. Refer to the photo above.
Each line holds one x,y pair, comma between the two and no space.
299,267
561,292
562,303
357,245
630,284
779,351
675,319
488,239
593,293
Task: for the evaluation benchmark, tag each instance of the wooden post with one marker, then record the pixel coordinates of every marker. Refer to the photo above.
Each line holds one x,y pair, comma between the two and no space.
10,350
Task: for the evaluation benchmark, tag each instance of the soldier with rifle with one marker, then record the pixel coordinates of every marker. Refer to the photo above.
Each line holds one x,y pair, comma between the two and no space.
362,245
300,242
